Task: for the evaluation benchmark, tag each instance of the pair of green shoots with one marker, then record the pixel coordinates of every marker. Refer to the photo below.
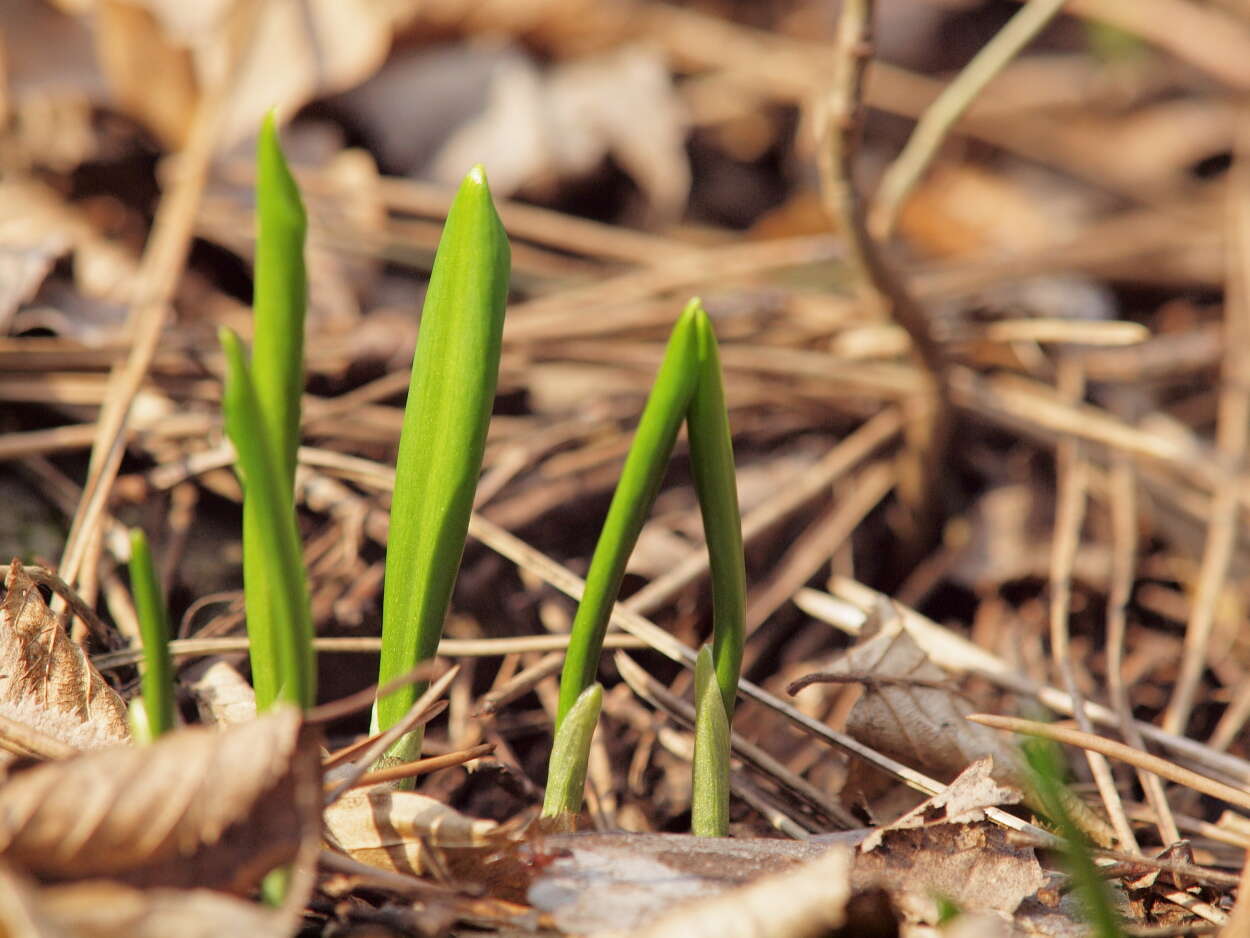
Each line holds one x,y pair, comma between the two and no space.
454,375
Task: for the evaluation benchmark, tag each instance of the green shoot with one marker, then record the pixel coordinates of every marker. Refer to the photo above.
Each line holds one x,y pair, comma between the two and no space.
640,480
712,461
279,299
1046,773
286,620
156,715
570,754
688,387
709,801
454,373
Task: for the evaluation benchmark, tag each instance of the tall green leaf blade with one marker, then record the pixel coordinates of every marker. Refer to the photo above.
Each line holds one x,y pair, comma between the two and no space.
279,302
640,480
712,462
158,671
454,374
288,619
709,800
570,754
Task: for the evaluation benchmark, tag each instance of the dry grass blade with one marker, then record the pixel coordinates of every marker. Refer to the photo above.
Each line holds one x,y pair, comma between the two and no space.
1117,750
227,805
46,682
404,770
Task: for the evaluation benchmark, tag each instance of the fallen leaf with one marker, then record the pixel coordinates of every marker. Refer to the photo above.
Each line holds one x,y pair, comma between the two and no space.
46,682
622,882
396,830
972,865
200,806
223,696
963,801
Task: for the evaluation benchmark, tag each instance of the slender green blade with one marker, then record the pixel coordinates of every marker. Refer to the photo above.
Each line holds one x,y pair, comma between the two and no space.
157,675
709,801
287,627
712,462
570,754
454,373
640,480
279,301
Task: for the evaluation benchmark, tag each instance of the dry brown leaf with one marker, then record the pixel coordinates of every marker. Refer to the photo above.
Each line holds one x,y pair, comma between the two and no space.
973,865
963,801
46,682
223,696
297,51
198,807
395,830
625,881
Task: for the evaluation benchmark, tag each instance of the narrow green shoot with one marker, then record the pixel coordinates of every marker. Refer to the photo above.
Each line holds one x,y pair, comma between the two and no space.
570,754
712,462
156,715
454,373
640,480
709,801
1046,774
279,301
286,619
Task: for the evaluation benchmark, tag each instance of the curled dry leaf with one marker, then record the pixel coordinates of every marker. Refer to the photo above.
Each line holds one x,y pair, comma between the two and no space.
963,801
105,909
46,682
200,806
396,830
973,865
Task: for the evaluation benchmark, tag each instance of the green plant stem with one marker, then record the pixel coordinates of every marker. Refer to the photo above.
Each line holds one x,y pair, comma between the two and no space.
288,618
712,461
640,480
454,374
570,754
157,674
279,302
709,800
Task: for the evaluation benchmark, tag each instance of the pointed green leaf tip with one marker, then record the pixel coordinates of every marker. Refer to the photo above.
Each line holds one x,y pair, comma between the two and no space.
454,373
570,754
709,801
640,480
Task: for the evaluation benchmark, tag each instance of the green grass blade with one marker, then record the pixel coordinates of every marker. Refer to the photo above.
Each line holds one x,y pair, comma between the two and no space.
640,479
570,754
712,462
709,802
454,373
158,671
279,301
1045,765
288,620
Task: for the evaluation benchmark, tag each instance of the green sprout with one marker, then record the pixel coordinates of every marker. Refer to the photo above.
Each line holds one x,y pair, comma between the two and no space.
709,800
284,618
688,387
570,754
454,373
155,715
277,368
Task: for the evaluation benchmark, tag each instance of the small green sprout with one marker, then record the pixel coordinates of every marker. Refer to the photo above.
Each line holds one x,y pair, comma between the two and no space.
279,300
709,800
454,373
688,387
570,754
155,715
285,617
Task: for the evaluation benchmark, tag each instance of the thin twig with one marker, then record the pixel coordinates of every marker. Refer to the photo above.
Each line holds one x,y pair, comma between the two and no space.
394,773
842,114
1231,439
1117,750
26,741
950,106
